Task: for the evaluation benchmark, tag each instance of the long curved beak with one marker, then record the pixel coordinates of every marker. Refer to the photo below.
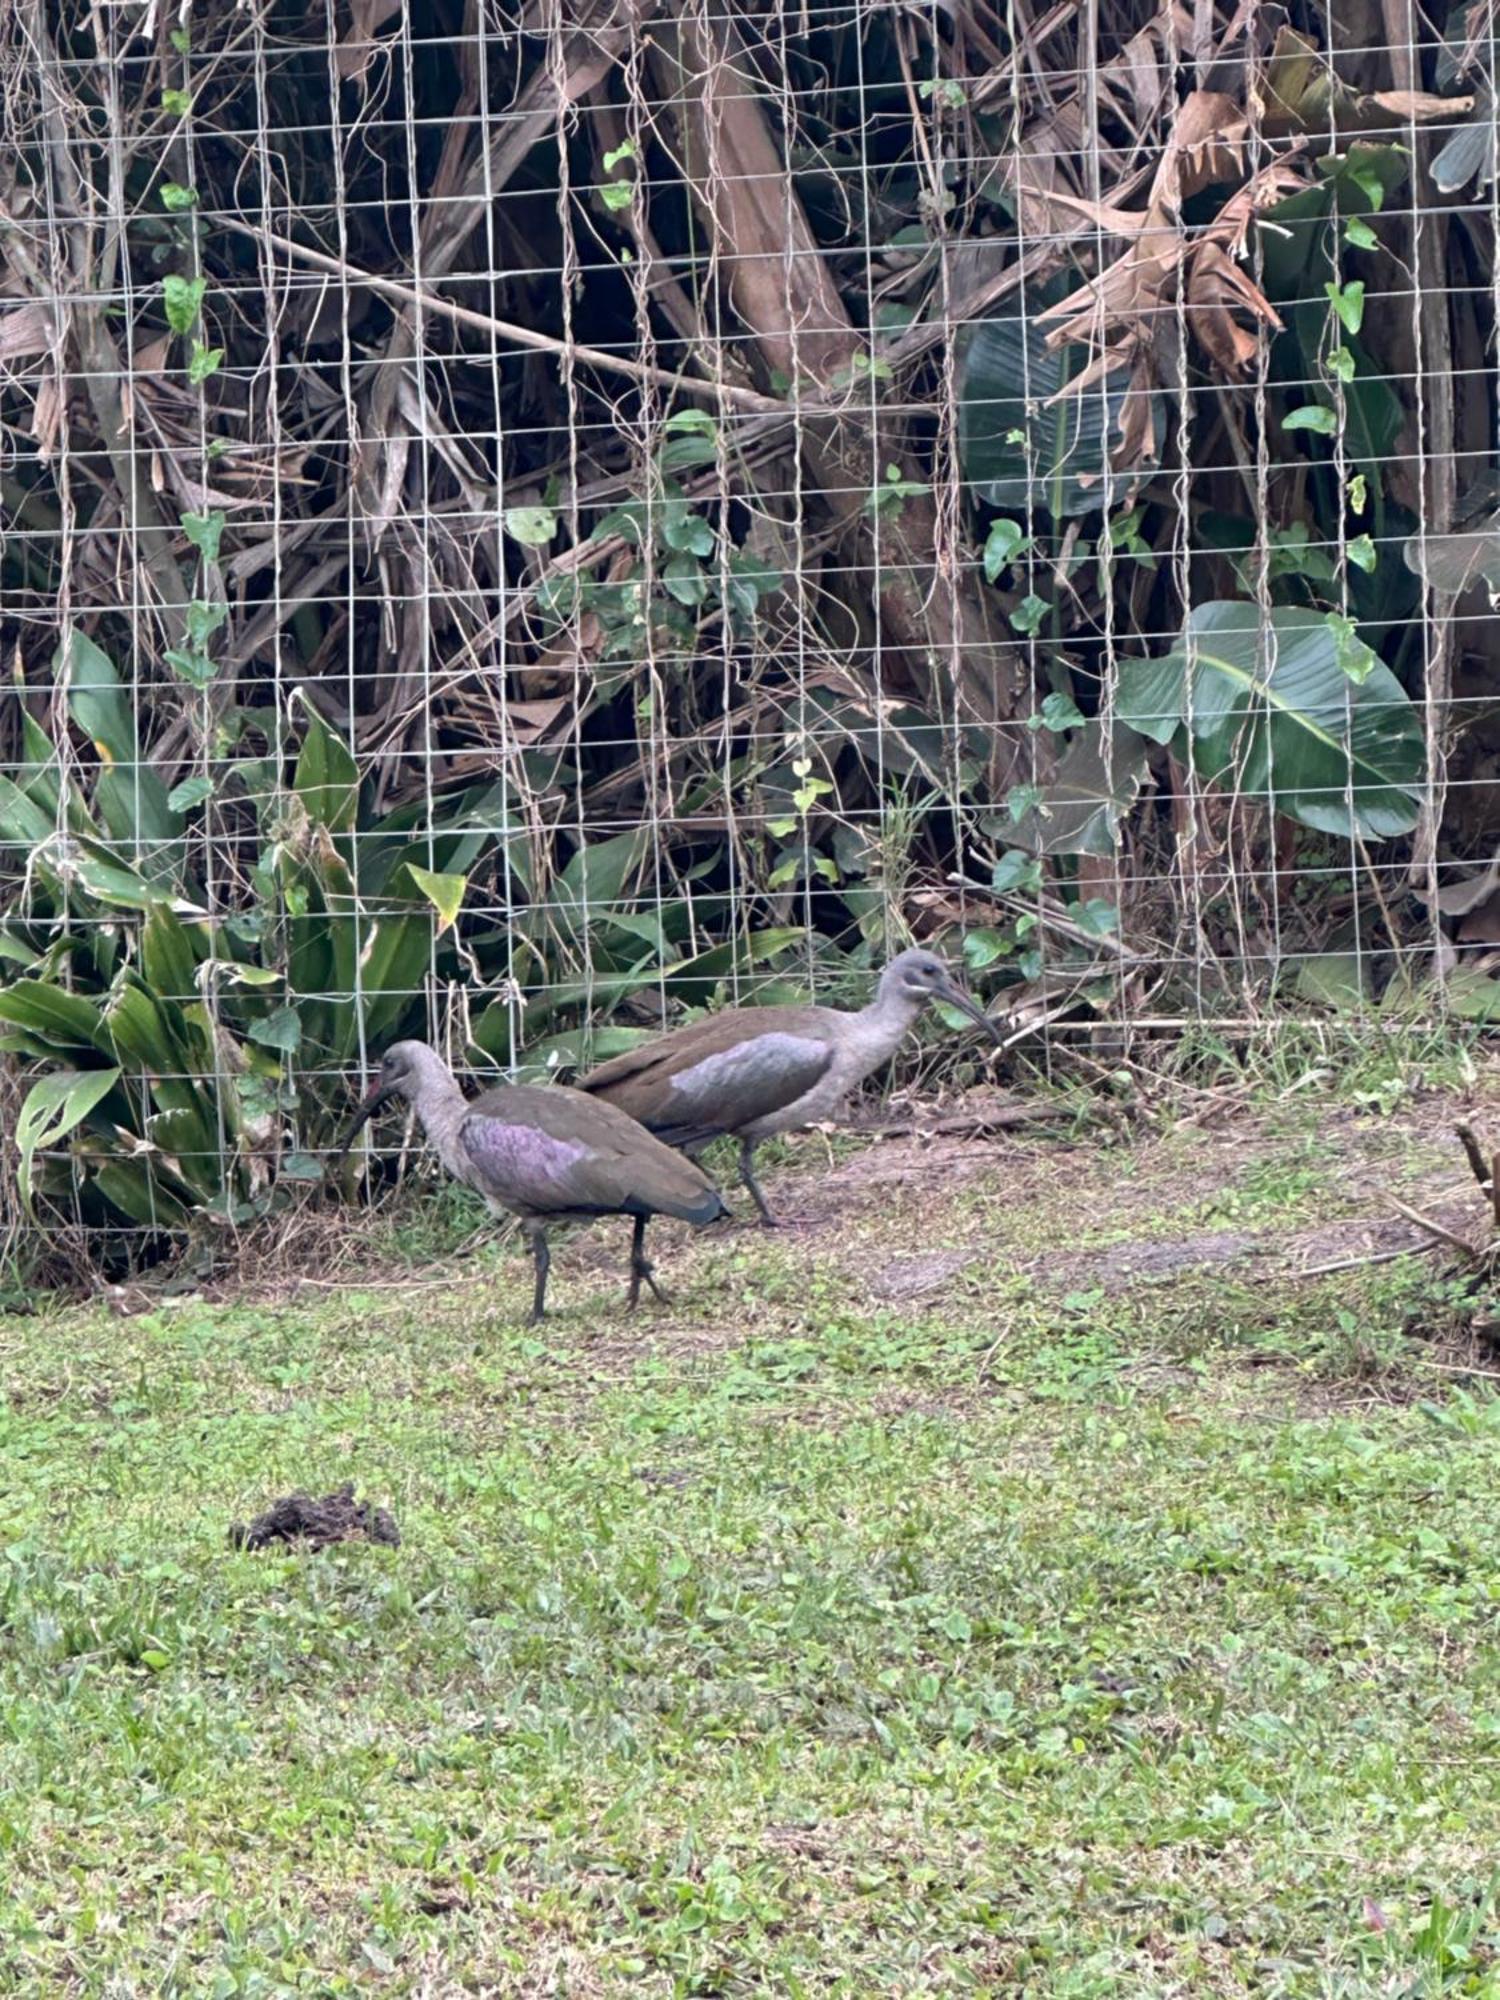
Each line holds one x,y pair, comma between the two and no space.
370,1105
954,994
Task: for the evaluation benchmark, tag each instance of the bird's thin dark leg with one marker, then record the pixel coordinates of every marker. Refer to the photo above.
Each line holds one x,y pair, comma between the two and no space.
542,1257
639,1268
747,1175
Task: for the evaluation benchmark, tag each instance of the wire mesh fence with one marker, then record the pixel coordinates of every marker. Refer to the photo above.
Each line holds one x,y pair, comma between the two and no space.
518,523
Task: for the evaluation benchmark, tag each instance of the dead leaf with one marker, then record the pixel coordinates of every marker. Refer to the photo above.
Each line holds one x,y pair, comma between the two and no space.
531,721
1458,899
1216,290
25,331
1419,106
46,417
394,451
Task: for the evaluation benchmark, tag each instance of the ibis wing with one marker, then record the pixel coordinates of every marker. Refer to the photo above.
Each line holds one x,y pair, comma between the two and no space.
719,1074
549,1150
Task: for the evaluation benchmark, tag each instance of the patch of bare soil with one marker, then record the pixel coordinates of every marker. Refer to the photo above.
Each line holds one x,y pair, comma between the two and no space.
316,1524
906,1278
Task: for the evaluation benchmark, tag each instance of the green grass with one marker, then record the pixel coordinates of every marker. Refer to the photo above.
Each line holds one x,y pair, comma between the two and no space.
791,1642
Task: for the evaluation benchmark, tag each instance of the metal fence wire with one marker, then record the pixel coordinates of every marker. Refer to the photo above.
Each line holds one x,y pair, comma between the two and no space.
519,523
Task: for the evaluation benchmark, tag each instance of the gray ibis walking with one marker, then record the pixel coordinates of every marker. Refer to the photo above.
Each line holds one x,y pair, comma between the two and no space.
754,1071
546,1154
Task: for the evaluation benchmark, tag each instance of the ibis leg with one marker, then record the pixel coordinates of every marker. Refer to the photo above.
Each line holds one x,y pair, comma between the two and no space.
542,1257
747,1175
640,1268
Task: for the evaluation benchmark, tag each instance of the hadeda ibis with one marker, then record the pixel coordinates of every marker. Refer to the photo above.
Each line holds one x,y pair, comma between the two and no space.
546,1154
753,1071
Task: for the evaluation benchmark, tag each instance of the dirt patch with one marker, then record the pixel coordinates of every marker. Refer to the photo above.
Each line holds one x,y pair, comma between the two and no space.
1127,1263
914,1277
297,1518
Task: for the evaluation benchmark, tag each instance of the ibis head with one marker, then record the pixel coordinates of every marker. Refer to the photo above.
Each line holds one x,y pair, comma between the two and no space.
407,1069
917,976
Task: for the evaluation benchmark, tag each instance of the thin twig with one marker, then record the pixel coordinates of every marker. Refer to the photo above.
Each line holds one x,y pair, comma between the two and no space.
1360,1263
968,1124
524,336
1435,1229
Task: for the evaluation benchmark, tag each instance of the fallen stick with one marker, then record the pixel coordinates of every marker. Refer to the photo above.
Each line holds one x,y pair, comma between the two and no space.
967,1124
1434,1229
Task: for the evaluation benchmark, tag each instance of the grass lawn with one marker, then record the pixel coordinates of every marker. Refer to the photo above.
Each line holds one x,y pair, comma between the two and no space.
1014,1577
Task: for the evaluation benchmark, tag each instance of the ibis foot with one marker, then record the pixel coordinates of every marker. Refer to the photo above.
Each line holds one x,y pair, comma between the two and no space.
640,1268
747,1175
633,1296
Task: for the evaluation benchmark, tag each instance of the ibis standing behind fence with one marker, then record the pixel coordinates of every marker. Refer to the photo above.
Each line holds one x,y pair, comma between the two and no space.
754,1071
546,1154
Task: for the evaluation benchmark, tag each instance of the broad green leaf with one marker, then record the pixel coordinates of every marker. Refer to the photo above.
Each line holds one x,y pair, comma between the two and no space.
205,531
281,1031
1454,562
61,1020
1096,916
24,822
134,1187
393,966
182,299
1017,872
1338,980
1373,413
188,1139
694,980
682,530
326,778
686,454
1080,811
15,952
142,1031
1362,552
53,1108
120,888
167,958
249,975
175,197
97,700
204,619
444,892
130,796
1005,541
1267,710
685,580
1311,417
192,664
1348,301
189,793
1059,712
533,527
597,872
1018,447
1468,994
